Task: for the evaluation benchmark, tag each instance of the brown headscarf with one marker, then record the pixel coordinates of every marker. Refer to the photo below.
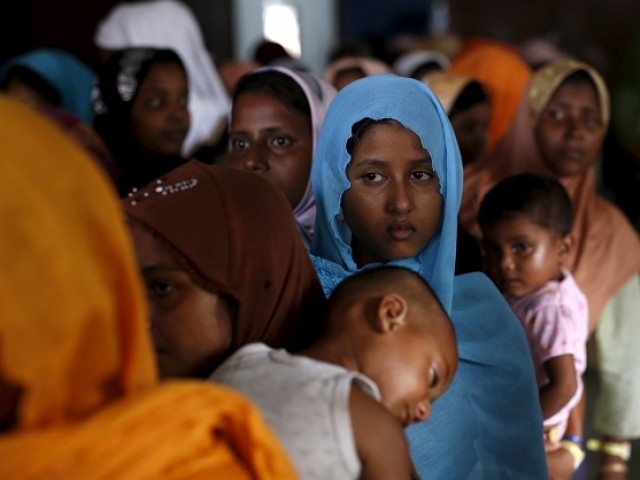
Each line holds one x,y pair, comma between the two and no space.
74,346
607,250
238,234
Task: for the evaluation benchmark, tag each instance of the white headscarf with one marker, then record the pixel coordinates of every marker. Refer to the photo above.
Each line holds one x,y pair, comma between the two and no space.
170,24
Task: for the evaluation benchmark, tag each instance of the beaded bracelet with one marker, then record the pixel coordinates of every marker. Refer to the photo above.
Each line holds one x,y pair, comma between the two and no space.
575,450
577,440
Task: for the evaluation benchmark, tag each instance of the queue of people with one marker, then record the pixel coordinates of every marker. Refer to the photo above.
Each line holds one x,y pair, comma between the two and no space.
381,271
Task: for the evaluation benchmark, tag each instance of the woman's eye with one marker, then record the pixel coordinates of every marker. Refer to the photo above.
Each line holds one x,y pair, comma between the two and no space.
591,119
372,177
281,142
556,114
156,102
238,144
160,288
421,175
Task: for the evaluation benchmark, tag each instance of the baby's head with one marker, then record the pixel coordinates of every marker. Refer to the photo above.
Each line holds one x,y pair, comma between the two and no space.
526,229
401,336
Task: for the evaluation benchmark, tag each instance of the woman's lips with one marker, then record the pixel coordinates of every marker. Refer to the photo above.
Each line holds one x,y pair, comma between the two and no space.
401,230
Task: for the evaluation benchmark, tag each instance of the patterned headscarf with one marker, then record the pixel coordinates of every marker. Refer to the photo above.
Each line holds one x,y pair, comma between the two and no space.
171,24
118,82
237,233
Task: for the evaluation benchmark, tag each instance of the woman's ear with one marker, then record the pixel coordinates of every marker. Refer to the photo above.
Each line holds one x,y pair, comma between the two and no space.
391,313
564,248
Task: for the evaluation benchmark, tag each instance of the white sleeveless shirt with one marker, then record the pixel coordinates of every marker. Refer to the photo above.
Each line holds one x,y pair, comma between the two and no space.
306,402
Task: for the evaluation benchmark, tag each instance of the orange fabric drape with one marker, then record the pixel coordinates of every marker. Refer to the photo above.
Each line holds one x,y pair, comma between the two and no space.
74,341
186,430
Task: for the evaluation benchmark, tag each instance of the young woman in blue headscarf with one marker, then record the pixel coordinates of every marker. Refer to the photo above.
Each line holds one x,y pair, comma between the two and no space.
387,176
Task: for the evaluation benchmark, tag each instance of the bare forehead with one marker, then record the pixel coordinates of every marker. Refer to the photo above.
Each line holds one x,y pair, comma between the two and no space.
385,134
577,91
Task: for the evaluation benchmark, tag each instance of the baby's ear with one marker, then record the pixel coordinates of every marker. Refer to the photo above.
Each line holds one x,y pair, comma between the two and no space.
392,312
565,246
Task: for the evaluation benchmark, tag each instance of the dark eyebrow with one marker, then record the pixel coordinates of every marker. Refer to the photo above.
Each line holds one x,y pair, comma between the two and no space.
374,162
268,130
369,162
519,238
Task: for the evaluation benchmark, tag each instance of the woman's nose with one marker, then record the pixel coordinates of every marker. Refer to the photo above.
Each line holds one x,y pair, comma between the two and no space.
575,126
400,201
255,160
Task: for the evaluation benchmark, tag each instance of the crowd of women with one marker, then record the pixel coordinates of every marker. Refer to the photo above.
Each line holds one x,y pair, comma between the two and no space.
158,217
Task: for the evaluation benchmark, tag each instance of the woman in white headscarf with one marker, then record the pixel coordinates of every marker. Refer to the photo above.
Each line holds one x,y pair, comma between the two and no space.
170,24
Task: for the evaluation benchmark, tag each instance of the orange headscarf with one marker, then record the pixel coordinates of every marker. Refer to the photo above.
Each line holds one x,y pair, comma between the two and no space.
505,75
607,250
74,342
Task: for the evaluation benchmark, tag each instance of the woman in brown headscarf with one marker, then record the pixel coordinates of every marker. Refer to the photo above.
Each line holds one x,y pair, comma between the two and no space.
559,131
224,266
78,390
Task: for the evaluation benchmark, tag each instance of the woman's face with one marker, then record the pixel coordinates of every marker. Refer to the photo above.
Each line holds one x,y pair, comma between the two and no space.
159,115
472,131
570,131
191,327
272,139
393,206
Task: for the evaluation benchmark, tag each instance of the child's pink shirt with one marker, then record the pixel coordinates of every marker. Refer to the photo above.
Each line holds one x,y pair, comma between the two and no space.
556,321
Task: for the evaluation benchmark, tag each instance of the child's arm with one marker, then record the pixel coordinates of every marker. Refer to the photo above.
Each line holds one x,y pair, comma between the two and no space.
562,384
380,440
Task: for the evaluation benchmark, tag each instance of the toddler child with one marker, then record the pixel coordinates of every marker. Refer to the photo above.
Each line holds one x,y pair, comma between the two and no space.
339,406
526,228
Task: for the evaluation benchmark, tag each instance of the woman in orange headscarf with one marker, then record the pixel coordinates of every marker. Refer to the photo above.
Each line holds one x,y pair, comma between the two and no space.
78,391
505,76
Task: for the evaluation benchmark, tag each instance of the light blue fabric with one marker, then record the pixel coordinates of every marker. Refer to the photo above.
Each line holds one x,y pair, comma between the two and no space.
73,80
488,424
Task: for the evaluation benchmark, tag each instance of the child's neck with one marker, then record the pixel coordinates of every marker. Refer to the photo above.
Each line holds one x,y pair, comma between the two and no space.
332,350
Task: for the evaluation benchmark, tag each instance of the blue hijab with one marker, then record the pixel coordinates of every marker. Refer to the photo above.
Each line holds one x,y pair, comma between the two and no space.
488,424
72,79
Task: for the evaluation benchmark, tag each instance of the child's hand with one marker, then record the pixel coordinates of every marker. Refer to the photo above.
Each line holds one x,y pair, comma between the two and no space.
560,464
